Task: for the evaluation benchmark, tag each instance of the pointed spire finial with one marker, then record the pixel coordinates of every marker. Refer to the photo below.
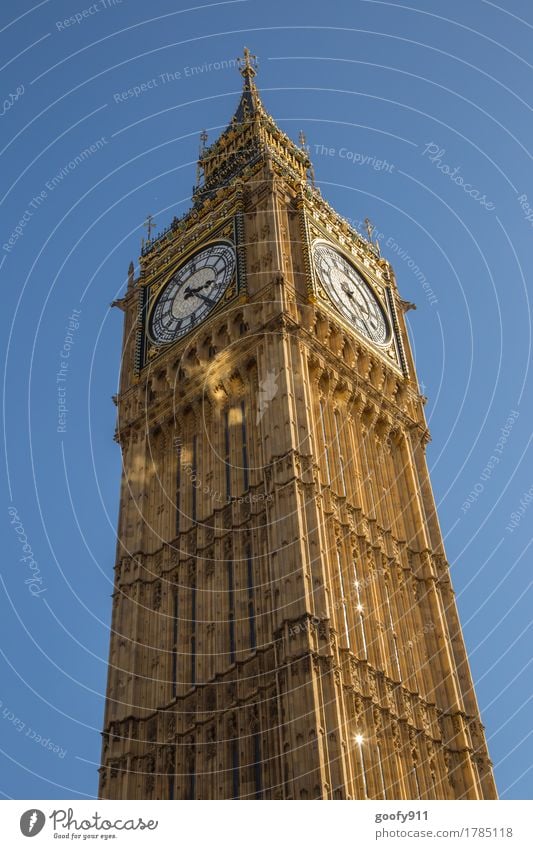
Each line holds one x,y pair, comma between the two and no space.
305,147
370,230
203,141
248,65
149,223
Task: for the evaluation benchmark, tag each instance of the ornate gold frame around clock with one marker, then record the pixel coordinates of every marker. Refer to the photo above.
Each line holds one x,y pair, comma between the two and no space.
226,232
381,290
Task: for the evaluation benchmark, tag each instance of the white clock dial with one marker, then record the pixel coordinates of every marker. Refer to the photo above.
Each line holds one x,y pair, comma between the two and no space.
350,293
192,293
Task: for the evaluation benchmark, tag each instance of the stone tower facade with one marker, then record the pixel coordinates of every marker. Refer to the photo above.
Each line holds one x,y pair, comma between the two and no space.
284,626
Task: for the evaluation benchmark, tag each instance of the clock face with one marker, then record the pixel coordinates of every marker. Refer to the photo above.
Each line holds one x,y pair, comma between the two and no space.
192,293
350,293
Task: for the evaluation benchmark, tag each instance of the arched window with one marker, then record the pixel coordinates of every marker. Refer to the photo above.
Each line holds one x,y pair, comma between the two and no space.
235,768
227,462
394,638
339,451
193,631
178,488
245,469
325,440
231,611
258,784
343,598
360,612
251,600
194,475
380,770
175,647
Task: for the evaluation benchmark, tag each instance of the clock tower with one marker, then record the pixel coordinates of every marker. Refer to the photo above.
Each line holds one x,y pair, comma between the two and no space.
283,626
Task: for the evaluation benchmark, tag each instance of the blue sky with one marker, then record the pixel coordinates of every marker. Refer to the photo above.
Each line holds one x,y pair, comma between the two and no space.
398,103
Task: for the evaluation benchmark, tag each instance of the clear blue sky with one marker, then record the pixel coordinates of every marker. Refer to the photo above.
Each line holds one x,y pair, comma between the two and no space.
424,90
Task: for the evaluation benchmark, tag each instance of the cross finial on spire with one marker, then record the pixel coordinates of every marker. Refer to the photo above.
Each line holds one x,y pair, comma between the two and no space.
248,65
203,140
149,223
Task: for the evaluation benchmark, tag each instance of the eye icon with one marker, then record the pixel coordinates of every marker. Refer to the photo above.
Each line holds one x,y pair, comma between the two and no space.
32,822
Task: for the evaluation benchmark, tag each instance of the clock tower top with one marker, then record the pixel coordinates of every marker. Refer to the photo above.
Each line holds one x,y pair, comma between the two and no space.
252,135
257,223
251,141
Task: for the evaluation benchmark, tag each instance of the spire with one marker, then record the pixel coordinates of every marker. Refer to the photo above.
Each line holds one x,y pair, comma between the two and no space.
247,66
203,143
252,140
251,135
250,102
131,275
370,231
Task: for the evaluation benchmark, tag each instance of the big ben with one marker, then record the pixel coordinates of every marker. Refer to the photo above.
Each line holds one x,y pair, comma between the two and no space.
283,626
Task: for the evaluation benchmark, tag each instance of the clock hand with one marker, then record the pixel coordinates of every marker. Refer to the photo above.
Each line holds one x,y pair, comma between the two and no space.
360,304
205,298
359,317
190,292
367,328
